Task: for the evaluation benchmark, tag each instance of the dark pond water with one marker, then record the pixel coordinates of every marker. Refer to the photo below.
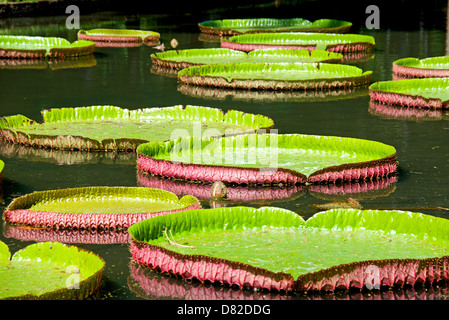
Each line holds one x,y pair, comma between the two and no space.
124,77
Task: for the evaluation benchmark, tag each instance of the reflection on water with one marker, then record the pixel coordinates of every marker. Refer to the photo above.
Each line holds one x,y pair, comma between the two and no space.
124,76
150,284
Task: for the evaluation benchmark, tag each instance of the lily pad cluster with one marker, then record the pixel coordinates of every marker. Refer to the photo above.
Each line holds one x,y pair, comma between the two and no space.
417,83
335,249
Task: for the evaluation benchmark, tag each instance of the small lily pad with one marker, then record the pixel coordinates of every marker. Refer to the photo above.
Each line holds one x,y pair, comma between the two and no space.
341,43
43,47
275,76
240,26
268,159
49,270
275,249
425,92
118,35
432,67
180,59
116,129
97,208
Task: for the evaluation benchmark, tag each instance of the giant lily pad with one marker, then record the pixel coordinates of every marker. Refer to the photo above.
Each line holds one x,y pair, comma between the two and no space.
114,128
425,92
335,249
328,41
180,59
99,208
43,47
278,76
118,35
433,67
268,159
49,270
239,26
273,96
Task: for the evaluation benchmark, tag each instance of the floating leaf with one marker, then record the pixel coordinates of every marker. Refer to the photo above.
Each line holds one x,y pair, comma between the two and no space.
49,270
181,59
276,76
118,35
239,26
268,159
275,249
433,67
114,128
102,208
43,47
342,43
425,92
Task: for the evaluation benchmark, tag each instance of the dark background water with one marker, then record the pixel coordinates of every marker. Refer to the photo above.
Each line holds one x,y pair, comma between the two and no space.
124,77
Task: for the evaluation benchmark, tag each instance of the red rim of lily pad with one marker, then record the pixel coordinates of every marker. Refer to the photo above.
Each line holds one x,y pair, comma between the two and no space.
383,166
148,251
21,210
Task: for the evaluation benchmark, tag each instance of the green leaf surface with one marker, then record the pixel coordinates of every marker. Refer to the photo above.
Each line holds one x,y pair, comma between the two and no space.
119,33
103,123
275,71
298,38
301,153
49,270
35,43
223,56
436,88
269,24
281,241
95,200
427,63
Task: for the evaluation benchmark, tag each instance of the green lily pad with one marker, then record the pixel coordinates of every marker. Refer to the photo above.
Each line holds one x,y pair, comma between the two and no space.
422,68
94,207
49,270
424,92
114,128
181,59
342,43
268,159
277,76
275,249
239,26
43,47
118,35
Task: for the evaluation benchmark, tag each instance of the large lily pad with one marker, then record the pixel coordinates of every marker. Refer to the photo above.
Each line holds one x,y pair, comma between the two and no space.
335,249
180,59
43,47
98,208
328,41
277,76
118,35
273,96
49,270
240,26
433,67
268,159
114,128
425,92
